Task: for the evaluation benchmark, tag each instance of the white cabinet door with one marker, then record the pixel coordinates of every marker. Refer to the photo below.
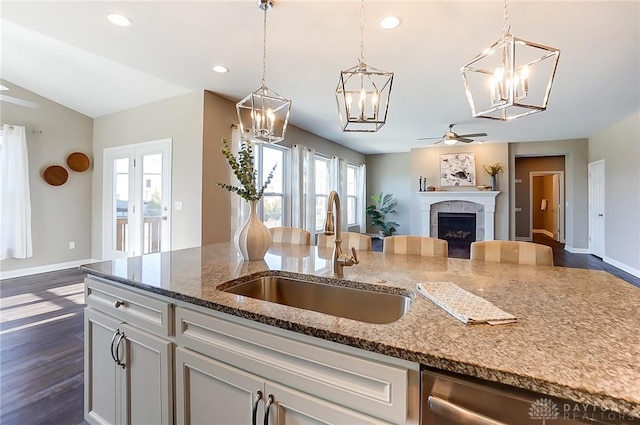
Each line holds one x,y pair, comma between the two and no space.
101,403
147,378
209,392
141,392
291,407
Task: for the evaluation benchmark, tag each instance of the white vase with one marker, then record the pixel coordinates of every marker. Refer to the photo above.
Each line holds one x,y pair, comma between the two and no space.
253,238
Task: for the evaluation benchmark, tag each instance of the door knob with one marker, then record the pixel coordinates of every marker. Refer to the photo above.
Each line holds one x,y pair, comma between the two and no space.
164,217
600,215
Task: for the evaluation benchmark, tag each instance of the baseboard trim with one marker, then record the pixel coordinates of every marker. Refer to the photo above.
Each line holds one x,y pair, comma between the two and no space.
9,274
621,266
576,250
544,232
523,238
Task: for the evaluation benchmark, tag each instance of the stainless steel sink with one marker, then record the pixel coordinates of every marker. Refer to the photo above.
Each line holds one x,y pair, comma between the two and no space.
357,304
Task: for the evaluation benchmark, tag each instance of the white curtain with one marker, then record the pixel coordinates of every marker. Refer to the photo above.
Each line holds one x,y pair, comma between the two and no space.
303,191
361,192
15,200
338,170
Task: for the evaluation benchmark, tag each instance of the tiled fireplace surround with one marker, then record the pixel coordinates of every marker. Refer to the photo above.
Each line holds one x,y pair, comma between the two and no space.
482,203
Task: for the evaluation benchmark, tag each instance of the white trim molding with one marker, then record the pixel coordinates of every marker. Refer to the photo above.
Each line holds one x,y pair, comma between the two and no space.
543,231
482,197
621,266
9,274
577,250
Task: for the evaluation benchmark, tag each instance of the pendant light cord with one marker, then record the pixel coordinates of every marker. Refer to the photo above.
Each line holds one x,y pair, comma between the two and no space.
264,48
506,28
362,31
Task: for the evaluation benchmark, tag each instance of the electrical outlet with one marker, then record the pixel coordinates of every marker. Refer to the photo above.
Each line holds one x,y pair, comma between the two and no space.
72,245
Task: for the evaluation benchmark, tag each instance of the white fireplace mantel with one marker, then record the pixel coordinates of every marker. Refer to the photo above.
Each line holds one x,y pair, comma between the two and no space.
482,197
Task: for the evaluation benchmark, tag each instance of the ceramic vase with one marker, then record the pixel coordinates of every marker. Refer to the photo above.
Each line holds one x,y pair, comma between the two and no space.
494,183
253,238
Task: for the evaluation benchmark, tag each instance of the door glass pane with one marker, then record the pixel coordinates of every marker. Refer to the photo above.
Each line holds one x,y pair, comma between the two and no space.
152,203
121,203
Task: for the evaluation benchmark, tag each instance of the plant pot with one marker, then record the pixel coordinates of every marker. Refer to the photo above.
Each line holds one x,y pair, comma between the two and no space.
253,238
494,183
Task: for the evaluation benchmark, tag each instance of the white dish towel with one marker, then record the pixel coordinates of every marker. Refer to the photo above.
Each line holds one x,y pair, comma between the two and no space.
463,305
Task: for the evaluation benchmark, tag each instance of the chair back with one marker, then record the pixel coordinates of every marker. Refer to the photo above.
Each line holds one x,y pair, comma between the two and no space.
416,245
292,235
514,252
349,239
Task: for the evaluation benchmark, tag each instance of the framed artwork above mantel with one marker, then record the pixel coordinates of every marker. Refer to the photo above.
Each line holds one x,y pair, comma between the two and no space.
458,169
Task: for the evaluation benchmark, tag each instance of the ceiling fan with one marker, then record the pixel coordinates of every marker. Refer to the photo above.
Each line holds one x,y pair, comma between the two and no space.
451,138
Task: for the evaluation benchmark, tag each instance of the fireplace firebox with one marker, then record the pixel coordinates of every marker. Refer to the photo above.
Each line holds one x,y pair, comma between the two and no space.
459,230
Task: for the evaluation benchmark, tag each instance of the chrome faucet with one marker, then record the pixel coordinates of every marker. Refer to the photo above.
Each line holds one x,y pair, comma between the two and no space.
339,259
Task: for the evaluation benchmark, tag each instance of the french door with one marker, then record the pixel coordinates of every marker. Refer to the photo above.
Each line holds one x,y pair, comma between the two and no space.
137,199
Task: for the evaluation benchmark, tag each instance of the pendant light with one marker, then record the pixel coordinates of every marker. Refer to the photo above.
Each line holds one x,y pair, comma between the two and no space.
510,79
263,114
363,93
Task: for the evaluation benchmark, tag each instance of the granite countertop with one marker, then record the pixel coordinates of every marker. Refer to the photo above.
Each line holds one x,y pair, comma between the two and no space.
577,335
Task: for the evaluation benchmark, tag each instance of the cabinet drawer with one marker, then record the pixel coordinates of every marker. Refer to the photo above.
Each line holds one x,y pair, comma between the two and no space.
375,388
147,313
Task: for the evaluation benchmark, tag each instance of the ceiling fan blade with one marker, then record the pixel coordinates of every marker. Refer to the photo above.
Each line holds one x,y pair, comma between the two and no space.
464,140
439,141
473,135
429,138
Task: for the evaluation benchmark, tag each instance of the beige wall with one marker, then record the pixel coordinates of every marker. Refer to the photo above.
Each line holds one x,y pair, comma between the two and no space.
426,162
619,147
388,173
180,119
296,135
576,217
219,115
59,214
524,166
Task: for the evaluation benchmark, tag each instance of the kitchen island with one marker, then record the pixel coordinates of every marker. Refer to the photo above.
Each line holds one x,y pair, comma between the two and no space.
577,335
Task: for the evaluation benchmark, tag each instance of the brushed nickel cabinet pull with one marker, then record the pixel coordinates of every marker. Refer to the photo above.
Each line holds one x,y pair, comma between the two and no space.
118,361
113,340
266,409
254,412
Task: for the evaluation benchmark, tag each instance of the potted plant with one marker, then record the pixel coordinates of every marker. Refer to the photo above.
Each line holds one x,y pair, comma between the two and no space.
383,205
493,171
252,238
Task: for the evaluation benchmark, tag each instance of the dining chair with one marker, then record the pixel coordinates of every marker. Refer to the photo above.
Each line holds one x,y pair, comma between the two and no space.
514,252
292,235
416,245
349,239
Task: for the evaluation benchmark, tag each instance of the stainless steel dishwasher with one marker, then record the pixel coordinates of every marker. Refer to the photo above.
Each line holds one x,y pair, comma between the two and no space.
451,399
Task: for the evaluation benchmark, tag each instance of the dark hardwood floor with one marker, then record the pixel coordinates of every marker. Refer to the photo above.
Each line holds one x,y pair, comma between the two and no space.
41,349
41,341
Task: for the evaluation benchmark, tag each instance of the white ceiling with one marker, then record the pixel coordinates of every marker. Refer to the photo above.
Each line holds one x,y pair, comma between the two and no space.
68,52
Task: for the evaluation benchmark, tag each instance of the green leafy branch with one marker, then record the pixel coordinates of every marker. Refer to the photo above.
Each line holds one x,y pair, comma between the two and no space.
244,170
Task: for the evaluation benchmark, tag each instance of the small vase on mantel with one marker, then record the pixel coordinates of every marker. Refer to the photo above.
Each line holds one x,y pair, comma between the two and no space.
253,238
494,182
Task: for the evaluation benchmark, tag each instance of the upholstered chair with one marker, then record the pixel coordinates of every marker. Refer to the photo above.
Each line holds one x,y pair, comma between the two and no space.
514,252
292,235
416,245
349,239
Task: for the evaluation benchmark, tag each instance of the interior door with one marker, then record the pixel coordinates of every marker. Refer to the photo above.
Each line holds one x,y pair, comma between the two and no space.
596,208
137,199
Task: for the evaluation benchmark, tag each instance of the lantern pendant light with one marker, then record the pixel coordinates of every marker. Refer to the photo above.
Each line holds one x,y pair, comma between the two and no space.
264,114
510,79
363,93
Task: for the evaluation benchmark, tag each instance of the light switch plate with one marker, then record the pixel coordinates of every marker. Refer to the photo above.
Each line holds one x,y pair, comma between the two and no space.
178,206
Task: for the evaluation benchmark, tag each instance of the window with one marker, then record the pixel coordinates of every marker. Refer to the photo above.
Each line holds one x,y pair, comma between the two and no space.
352,194
273,200
322,182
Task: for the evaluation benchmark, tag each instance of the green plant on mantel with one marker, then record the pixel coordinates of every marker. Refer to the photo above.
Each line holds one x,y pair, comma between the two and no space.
244,170
494,170
383,205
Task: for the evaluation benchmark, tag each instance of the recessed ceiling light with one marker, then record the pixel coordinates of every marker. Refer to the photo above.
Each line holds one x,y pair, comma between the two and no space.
119,20
390,22
220,69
